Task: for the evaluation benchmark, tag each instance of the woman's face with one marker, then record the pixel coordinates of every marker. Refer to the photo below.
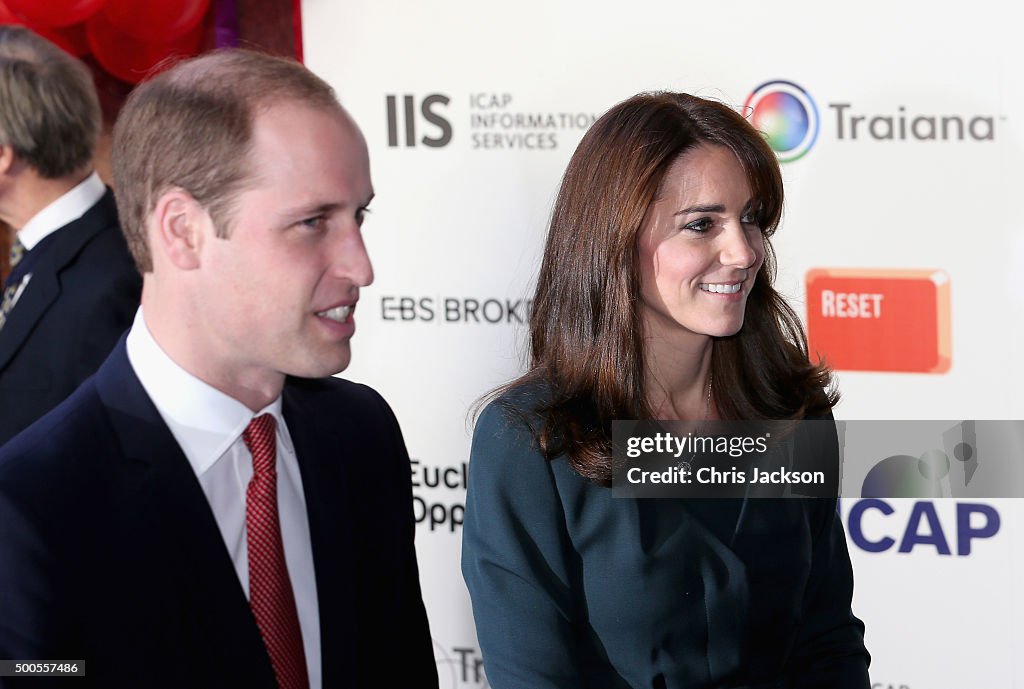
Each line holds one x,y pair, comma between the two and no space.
699,248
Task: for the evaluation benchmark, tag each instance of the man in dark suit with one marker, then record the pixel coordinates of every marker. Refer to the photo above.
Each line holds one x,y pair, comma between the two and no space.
212,509
73,288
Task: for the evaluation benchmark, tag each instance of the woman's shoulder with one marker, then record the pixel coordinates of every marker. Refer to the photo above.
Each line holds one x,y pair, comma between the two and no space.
819,414
516,408
508,428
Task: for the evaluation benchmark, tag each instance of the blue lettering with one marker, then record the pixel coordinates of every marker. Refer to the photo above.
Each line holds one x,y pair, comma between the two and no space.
966,533
923,526
857,533
913,535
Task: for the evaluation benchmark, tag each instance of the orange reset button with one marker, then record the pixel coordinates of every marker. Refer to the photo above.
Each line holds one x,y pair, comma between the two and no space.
880,320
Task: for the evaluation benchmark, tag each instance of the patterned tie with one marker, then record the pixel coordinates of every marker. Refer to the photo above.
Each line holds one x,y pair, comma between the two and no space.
7,303
270,590
17,251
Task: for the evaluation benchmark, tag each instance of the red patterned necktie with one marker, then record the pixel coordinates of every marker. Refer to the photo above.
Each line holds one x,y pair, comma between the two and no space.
270,589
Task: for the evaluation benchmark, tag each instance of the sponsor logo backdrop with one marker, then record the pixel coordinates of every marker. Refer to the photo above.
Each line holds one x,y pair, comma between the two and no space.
901,128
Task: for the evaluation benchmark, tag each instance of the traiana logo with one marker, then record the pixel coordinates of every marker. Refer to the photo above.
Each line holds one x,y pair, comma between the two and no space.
787,115
789,118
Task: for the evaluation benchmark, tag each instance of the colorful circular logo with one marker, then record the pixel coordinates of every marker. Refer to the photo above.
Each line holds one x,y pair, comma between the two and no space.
786,114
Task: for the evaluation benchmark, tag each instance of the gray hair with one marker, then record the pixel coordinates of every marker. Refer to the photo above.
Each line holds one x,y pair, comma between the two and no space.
49,111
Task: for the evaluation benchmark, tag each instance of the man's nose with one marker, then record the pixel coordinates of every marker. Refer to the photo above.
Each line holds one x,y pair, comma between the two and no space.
350,259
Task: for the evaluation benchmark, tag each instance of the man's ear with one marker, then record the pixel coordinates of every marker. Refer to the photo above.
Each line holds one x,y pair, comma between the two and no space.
7,159
179,225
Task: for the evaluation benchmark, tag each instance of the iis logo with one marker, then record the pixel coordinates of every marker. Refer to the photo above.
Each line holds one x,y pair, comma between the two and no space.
406,119
787,115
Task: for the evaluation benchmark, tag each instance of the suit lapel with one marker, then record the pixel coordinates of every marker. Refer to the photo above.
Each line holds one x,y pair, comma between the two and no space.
35,300
326,483
187,558
44,287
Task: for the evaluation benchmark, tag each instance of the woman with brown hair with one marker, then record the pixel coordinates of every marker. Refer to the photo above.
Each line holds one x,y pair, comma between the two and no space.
655,301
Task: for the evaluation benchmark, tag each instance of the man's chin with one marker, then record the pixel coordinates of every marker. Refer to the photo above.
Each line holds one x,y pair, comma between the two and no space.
323,366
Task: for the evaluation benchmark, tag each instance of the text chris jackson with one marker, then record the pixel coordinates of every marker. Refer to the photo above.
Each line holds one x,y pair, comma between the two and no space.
711,475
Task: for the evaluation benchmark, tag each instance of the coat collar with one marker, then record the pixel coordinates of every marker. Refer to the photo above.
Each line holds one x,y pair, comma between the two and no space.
45,286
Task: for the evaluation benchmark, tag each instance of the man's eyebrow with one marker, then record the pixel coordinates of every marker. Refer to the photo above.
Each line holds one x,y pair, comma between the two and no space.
313,209
326,208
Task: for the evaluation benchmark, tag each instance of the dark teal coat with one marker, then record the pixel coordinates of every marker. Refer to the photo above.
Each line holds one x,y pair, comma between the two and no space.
574,589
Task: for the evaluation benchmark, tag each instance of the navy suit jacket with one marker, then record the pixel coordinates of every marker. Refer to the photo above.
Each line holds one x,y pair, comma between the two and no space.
109,551
83,295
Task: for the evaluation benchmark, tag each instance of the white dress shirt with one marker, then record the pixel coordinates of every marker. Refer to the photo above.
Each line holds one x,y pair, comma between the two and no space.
208,426
69,207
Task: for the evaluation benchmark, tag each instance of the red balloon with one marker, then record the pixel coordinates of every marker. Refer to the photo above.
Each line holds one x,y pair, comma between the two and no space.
133,60
71,39
8,17
55,12
155,20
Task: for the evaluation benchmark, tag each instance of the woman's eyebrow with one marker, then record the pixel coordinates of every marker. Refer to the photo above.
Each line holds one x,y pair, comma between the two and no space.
716,208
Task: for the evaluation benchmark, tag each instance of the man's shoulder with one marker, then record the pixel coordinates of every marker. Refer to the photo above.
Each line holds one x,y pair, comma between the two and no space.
333,389
341,413
71,435
337,396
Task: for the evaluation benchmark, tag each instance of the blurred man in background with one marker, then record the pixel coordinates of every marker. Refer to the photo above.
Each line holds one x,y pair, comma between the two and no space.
73,288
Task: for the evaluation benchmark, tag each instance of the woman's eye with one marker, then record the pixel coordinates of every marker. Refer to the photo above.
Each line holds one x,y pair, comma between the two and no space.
699,225
361,215
753,214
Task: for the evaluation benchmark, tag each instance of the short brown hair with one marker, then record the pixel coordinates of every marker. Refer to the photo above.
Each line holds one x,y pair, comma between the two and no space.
586,328
49,112
191,128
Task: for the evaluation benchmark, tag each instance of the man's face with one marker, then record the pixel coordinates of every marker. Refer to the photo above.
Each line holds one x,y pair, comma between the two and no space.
277,296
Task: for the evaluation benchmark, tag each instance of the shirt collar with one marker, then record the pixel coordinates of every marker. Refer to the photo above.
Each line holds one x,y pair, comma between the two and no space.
203,420
69,207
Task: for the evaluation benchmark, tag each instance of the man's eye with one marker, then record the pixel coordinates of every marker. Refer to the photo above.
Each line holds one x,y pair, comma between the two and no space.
361,215
317,222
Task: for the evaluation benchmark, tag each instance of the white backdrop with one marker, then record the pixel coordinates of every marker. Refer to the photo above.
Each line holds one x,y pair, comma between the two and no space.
499,95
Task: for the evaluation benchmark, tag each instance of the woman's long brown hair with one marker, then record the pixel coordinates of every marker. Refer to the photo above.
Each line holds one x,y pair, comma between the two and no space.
586,332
